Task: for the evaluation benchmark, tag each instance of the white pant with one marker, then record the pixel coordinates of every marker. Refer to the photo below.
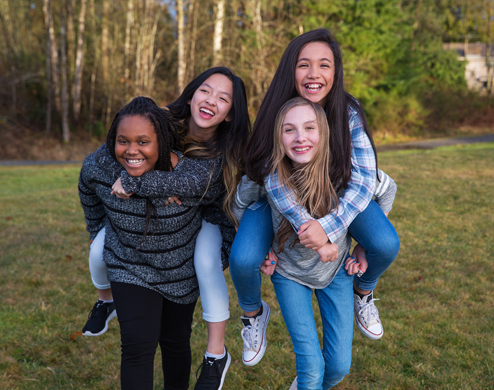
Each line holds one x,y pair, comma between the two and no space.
207,262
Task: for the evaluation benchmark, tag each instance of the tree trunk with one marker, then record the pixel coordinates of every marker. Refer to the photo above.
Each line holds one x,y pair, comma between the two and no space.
11,59
181,46
55,76
105,61
65,95
46,4
128,31
78,61
193,16
218,32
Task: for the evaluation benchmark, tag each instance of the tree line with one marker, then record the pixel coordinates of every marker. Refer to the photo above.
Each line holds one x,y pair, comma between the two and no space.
68,66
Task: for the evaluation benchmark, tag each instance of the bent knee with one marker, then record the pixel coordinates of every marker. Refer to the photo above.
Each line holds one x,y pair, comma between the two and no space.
385,246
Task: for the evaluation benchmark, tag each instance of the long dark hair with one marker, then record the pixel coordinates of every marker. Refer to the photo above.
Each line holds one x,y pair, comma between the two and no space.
163,125
230,138
282,89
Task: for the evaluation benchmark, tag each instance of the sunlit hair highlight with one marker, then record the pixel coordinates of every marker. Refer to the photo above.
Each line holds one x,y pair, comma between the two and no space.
310,183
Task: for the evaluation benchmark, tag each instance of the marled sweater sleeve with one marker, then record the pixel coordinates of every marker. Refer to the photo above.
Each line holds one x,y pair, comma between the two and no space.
247,192
385,192
193,180
94,211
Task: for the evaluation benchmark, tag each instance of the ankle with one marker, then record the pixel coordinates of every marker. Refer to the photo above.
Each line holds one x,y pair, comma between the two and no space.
253,314
361,293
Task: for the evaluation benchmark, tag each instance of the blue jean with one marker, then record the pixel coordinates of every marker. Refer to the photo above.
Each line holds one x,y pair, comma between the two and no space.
372,229
250,247
318,369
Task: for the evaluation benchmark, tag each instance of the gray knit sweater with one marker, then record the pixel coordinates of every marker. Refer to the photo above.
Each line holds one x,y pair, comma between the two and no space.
163,261
299,263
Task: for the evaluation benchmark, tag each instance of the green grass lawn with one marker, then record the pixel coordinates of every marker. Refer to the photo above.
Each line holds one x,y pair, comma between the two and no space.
437,299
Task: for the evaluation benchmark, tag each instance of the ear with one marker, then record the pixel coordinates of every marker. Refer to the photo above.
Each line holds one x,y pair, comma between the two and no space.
228,118
188,102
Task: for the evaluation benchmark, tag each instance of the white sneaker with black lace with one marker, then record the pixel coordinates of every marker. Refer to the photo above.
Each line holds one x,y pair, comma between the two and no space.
367,316
254,336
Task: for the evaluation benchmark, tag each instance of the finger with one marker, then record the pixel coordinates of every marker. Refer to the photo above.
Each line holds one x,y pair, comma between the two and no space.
303,228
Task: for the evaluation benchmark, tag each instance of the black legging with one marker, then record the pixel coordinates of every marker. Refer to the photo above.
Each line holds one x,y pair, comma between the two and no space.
146,318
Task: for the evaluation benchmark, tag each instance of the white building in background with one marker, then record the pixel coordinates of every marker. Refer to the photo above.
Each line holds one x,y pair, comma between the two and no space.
476,67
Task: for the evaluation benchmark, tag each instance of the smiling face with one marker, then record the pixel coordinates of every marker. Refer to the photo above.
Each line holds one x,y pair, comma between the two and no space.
136,145
210,105
314,74
300,134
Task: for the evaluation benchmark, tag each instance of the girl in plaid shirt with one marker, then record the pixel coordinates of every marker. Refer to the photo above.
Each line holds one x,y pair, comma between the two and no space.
300,162
311,67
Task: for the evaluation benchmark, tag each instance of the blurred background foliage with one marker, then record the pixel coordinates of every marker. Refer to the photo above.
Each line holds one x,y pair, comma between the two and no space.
66,67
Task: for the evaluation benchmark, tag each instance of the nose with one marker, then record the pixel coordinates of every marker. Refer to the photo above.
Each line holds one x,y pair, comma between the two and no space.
211,101
301,136
132,149
313,73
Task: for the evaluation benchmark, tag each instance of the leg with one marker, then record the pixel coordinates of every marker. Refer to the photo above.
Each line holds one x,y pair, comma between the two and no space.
212,285
104,309
373,230
249,249
140,318
336,307
214,299
296,307
176,327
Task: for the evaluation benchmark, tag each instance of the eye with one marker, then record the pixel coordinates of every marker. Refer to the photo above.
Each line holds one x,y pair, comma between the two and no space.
143,142
303,65
226,101
204,90
121,142
287,130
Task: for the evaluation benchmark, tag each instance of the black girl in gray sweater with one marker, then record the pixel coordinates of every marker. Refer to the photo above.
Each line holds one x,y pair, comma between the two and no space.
148,247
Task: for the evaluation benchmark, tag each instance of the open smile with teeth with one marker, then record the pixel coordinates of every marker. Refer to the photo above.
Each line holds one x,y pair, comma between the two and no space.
134,162
302,149
313,87
206,111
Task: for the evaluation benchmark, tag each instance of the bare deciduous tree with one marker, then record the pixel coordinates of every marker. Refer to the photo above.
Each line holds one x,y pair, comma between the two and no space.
65,95
218,32
181,46
79,61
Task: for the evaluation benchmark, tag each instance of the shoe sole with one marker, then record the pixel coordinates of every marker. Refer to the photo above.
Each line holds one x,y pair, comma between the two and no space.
257,358
366,332
110,317
228,361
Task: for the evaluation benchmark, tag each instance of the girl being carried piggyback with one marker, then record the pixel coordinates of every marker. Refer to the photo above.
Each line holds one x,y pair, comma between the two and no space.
300,163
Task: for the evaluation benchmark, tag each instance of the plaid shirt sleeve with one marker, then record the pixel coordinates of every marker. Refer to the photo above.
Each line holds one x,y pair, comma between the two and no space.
284,200
357,195
362,182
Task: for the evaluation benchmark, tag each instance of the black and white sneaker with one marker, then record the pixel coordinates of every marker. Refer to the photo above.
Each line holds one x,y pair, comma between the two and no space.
213,373
98,318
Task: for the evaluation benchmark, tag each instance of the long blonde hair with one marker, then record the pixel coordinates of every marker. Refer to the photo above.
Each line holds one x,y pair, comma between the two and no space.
310,183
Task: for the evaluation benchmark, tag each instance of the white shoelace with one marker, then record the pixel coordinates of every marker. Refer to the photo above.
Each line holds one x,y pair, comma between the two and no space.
247,336
369,311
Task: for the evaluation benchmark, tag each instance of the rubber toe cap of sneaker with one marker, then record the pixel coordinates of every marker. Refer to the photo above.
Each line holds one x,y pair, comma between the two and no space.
251,358
376,331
